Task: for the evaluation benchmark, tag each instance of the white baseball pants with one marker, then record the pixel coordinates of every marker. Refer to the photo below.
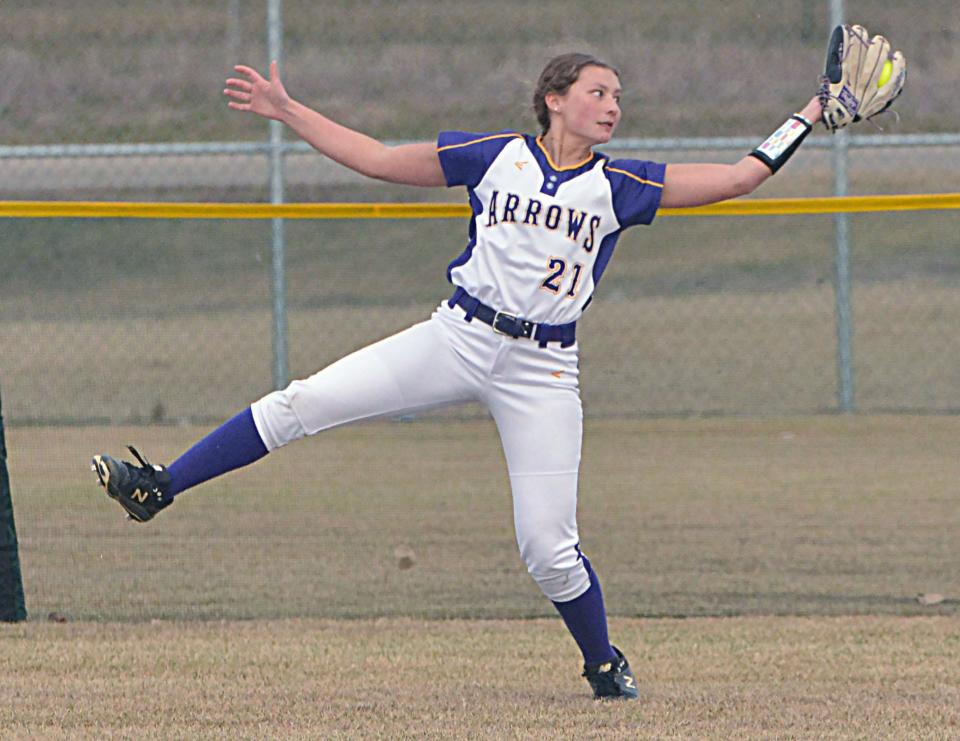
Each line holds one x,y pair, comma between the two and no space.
532,393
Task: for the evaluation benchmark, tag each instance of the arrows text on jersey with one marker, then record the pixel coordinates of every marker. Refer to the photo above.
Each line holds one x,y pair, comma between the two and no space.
515,211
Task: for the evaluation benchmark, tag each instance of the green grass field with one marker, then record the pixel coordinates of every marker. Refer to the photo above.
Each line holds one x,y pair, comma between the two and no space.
806,516
694,316
272,603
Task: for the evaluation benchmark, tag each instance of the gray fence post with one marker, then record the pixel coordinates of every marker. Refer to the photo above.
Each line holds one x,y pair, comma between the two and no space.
842,258
278,251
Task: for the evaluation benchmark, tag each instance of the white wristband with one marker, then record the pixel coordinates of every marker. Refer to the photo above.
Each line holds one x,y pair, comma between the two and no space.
783,142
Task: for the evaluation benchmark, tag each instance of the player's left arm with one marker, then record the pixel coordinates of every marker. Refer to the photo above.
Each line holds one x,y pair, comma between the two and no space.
687,185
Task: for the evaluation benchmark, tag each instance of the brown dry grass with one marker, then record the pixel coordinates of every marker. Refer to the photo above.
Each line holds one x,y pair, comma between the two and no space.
111,70
865,677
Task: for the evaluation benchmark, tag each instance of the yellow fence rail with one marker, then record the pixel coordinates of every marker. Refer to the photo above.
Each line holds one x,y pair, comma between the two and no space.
745,207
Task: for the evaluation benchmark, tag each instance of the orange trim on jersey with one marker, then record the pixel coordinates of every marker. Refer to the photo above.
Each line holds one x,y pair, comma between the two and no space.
631,175
553,164
477,141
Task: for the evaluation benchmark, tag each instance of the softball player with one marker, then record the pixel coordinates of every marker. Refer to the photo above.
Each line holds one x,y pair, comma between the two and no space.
547,212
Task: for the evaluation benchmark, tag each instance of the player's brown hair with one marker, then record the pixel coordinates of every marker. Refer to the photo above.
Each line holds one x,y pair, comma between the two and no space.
557,77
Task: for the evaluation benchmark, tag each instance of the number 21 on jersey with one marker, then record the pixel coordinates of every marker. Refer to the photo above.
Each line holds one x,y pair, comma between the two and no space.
557,268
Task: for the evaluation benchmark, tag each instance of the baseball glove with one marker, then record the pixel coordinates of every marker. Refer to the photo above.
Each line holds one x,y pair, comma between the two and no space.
862,77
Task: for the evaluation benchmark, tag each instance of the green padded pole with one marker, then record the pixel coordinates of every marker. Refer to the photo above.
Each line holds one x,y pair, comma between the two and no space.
12,605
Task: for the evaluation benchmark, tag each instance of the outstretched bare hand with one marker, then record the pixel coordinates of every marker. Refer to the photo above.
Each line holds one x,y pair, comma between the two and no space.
266,98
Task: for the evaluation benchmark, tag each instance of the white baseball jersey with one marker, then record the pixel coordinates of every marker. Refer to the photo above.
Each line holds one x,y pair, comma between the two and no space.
541,235
540,238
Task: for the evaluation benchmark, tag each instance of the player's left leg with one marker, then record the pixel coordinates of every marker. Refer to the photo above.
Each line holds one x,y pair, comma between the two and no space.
536,406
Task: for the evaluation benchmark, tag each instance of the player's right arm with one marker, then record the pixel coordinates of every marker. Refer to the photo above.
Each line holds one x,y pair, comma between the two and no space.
408,164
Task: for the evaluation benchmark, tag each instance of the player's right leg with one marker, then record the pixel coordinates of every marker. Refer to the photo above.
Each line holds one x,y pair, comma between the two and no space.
425,366
420,368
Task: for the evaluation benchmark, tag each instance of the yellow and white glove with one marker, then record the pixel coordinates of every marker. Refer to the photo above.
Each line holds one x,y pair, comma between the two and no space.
862,77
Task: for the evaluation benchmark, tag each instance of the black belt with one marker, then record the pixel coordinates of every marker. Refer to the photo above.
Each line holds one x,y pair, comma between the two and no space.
512,326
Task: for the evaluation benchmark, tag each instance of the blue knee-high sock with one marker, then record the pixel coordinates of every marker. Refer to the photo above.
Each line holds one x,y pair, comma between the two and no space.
233,444
586,619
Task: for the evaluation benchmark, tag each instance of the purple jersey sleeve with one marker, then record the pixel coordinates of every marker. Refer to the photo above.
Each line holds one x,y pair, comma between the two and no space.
637,186
465,156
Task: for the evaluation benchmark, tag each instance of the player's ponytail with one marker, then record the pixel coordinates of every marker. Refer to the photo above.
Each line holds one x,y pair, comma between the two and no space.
557,77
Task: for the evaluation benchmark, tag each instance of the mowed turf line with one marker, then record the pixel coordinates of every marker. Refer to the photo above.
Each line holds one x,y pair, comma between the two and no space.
759,677
825,515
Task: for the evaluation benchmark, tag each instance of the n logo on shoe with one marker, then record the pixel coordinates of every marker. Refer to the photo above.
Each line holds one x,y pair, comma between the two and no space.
140,496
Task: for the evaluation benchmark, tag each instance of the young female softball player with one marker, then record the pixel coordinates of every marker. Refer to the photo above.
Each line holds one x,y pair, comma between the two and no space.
547,212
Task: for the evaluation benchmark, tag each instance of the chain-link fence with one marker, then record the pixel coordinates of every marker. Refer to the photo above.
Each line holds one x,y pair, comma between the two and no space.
162,320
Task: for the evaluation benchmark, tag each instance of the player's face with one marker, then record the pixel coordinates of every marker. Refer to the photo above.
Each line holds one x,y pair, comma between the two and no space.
591,107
